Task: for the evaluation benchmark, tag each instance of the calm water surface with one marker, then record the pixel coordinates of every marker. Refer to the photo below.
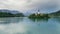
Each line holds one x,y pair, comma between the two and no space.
17,25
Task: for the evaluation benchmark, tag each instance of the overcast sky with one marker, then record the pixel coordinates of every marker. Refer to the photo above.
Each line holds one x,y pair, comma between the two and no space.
25,5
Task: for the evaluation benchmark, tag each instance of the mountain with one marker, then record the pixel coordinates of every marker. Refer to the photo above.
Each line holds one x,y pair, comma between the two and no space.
55,14
10,13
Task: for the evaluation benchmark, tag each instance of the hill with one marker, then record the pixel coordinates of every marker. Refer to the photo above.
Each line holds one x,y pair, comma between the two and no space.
55,14
10,13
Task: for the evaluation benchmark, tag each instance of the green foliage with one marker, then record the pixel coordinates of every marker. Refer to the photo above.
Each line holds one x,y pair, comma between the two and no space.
39,16
5,14
55,14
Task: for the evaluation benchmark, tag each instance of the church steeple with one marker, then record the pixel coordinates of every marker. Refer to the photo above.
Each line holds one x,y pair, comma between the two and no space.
38,11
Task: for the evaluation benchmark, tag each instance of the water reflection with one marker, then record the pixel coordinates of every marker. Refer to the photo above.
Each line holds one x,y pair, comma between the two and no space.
38,19
10,20
17,25
57,19
54,20
21,19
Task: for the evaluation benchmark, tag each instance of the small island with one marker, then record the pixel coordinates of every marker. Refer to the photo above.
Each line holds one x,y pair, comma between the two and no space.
38,15
42,15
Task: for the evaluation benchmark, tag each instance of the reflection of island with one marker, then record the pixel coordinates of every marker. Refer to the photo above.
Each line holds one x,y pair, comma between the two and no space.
38,19
10,20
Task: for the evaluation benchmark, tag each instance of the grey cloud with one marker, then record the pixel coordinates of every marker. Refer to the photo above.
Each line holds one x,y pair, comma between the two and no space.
29,4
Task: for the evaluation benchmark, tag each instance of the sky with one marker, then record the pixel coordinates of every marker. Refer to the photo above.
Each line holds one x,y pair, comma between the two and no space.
45,6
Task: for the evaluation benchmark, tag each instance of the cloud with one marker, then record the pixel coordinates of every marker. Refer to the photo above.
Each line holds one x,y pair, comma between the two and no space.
29,4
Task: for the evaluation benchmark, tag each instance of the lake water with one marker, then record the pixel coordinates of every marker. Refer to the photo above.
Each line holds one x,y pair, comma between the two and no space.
17,25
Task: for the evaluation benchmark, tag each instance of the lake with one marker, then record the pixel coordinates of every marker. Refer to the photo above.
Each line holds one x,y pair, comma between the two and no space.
24,25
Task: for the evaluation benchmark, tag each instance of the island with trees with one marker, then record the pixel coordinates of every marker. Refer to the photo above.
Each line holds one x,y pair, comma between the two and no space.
42,15
38,15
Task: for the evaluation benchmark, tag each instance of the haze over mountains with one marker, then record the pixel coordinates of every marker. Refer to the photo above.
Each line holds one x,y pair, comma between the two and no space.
9,11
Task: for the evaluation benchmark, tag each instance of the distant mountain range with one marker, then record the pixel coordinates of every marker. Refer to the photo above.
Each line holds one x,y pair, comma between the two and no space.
10,13
55,14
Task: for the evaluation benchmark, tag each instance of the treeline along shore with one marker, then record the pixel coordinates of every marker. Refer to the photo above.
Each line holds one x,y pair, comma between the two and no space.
34,15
